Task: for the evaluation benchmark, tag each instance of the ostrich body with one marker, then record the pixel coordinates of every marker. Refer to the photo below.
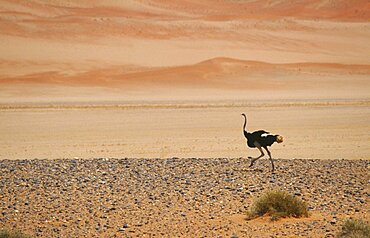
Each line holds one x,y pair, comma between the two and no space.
260,139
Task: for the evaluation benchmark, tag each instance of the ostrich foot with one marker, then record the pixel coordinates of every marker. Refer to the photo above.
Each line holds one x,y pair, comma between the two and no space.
252,161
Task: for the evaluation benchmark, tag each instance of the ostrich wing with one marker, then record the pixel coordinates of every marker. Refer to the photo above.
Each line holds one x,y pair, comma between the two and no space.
259,133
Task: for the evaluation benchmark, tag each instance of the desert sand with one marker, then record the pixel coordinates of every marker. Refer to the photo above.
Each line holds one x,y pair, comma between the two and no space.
122,118
311,130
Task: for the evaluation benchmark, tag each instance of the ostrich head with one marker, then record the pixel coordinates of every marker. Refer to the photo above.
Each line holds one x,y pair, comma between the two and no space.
279,139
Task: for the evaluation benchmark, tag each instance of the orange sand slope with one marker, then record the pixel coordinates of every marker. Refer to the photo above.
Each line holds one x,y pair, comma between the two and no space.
220,78
162,33
140,48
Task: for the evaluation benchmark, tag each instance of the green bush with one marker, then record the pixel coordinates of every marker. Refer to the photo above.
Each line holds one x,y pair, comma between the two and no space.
8,234
278,204
355,229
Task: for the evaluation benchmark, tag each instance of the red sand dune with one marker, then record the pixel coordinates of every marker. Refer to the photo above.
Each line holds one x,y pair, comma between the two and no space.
221,75
153,43
218,72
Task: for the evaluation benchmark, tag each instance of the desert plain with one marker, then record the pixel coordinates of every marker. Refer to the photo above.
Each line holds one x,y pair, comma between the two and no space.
123,119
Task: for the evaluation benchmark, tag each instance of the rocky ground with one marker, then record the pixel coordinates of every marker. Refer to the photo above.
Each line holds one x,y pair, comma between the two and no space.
175,197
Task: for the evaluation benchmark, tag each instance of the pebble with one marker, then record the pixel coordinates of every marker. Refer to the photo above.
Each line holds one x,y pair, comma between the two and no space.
192,197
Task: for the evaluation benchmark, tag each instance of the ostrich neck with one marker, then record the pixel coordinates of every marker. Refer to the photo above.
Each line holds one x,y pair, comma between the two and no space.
245,123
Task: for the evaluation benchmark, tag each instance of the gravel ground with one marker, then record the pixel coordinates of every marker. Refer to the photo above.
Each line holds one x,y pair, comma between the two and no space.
190,197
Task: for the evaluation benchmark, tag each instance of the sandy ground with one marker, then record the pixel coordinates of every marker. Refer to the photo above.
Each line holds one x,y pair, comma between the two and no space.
317,131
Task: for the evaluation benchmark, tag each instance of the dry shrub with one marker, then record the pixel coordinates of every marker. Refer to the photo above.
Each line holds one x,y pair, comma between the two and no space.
278,204
355,229
8,234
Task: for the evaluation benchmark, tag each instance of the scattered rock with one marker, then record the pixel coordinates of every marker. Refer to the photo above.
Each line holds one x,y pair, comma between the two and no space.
173,197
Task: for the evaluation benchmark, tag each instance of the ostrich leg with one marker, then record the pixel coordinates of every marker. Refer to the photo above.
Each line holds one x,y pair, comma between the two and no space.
255,159
272,162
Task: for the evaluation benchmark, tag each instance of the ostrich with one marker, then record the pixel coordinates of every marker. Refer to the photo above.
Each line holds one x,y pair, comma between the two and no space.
260,139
